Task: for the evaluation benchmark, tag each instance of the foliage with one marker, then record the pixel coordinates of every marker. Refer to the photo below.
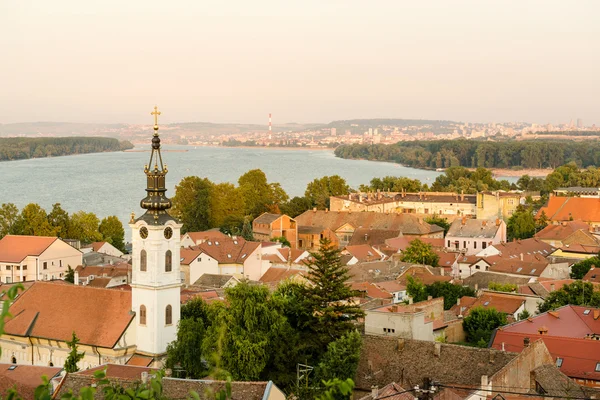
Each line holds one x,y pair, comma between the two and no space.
9,214
112,231
439,221
450,292
523,315
420,252
282,240
580,269
19,148
259,195
480,323
319,190
184,355
191,203
70,275
59,220
341,359
84,227
296,206
329,298
337,389
394,184
576,293
415,289
227,207
74,356
247,232
33,221
521,225
503,287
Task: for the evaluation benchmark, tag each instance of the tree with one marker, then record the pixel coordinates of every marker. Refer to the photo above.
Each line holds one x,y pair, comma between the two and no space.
192,205
9,214
521,225
416,290
329,298
576,293
112,231
439,221
523,315
502,287
341,359
184,355
320,190
74,357
580,269
226,205
33,220
84,227
449,292
59,220
70,275
420,252
337,389
282,240
256,192
480,323
296,206
247,231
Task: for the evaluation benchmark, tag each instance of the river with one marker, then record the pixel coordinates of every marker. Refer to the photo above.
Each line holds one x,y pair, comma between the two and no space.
113,183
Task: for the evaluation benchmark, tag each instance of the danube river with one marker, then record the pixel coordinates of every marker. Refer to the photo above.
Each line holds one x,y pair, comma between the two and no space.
113,183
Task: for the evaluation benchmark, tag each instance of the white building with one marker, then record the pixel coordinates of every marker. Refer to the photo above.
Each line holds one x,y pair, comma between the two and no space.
473,235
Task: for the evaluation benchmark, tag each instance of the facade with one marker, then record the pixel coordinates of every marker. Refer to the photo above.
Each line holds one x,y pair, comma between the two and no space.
35,258
156,280
267,226
498,204
470,236
106,248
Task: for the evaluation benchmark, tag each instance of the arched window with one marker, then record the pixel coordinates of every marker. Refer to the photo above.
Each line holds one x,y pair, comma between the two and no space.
142,315
168,261
143,260
169,315
51,364
14,360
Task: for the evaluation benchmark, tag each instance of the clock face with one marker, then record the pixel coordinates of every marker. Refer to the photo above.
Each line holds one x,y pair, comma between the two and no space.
168,232
143,232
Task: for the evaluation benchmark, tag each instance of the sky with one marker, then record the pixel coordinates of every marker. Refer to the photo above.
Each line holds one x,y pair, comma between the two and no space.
111,61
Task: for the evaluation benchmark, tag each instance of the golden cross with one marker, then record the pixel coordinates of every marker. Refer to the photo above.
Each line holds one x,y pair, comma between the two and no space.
156,113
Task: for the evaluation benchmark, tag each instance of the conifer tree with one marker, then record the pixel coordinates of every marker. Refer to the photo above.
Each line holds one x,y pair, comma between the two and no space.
329,298
74,357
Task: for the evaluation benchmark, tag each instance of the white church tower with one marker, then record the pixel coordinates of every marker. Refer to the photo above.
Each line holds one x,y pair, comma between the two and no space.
155,280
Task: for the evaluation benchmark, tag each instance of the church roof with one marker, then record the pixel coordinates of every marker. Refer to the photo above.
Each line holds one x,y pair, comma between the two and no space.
46,310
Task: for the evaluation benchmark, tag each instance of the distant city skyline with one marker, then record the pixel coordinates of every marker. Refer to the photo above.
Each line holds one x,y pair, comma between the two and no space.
308,62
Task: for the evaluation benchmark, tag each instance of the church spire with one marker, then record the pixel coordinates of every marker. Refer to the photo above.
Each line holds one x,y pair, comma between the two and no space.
155,202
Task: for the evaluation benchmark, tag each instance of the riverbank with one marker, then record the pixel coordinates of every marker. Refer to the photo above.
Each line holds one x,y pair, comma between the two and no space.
538,173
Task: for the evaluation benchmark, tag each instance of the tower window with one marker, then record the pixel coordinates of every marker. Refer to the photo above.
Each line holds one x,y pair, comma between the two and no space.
143,260
168,261
169,315
142,315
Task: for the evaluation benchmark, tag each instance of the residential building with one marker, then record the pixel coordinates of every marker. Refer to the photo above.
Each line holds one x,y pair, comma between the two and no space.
362,253
481,280
511,304
473,235
277,274
571,334
35,258
561,209
267,226
103,276
26,378
424,274
555,233
423,203
104,248
593,275
215,281
190,239
396,289
578,191
497,204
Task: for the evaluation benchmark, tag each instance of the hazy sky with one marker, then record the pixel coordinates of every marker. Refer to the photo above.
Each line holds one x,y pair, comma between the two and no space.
304,61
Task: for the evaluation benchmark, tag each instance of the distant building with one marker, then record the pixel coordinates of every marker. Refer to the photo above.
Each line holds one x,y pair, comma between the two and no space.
561,209
268,225
498,204
473,235
105,248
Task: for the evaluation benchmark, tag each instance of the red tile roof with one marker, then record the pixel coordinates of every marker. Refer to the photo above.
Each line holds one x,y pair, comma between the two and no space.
278,274
228,251
99,317
14,248
502,302
518,267
532,249
572,208
140,360
96,246
593,275
103,271
424,274
363,253
24,378
371,290
568,321
391,286
561,231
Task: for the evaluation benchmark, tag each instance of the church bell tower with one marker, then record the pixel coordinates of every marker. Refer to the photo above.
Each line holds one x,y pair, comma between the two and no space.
156,245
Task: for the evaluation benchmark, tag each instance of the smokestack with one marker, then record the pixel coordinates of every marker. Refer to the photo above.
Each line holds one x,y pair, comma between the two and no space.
76,277
269,124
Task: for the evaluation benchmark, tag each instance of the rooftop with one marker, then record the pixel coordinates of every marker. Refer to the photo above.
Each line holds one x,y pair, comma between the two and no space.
571,208
25,378
267,218
472,228
15,248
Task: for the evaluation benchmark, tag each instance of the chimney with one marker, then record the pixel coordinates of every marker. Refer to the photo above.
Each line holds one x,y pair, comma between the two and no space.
349,196
503,349
394,308
366,237
437,349
596,314
145,377
497,221
410,300
374,392
400,344
526,342
76,277
483,223
464,220
458,301
442,271
462,195
542,330
521,256
314,209
484,382
429,298
326,210
552,287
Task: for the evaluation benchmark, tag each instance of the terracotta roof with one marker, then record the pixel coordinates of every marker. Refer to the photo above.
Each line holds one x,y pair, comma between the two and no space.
373,237
212,234
376,271
561,231
572,208
427,275
555,383
370,290
406,223
518,267
140,360
579,356
98,316
191,293
267,218
176,389
277,274
363,253
386,359
392,391
228,251
391,286
25,378
189,254
125,372
568,321
593,275
473,228
503,302
14,248
447,258
529,248
99,282
213,280
103,271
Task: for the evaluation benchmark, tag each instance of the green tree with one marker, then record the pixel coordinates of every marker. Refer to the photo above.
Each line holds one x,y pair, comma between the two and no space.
580,269
112,231
503,287
480,323
416,290
420,252
84,227
341,359
523,315
33,220
192,203
184,355
320,190
439,221
282,240
256,192
576,293
247,231
329,298
74,356
9,215
450,292
521,225
70,275
296,206
226,205
59,220
337,389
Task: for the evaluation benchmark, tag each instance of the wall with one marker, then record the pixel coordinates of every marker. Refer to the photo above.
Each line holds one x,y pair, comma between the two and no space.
111,250
203,264
403,206
516,374
404,325
559,270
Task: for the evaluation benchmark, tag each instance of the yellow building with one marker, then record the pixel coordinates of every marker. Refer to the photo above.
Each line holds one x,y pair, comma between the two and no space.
499,204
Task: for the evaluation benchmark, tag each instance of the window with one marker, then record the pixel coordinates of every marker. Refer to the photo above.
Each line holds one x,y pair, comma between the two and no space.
465,244
483,245
597,367
13,360
142,315
559,362
8,279
60,263
8,267
474,245
519,269
143,260
24,267
45,265
487,303
169,315
448,243
586,312
168,261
